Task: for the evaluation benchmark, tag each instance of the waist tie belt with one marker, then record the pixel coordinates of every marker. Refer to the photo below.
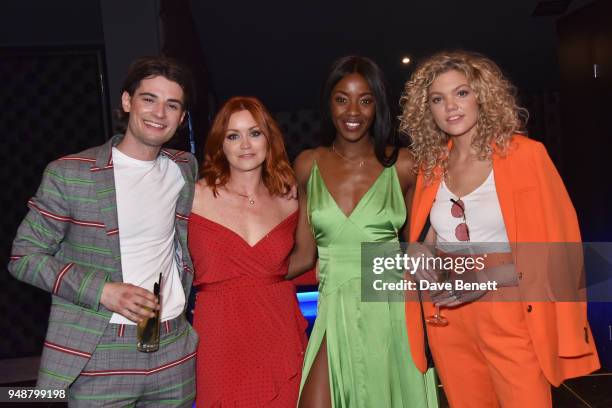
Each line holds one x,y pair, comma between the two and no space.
241,282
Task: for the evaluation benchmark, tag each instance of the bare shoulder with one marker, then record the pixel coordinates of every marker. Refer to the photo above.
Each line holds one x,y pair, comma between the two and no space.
303,165
405,157
200,187
201,194
405,166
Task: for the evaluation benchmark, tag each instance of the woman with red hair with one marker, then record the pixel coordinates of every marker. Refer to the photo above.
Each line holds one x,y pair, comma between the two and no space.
241,231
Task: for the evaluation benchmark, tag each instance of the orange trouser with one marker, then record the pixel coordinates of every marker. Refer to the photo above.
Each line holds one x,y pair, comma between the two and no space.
485,357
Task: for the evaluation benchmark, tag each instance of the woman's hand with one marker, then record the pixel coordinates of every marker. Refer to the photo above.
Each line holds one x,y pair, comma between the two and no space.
292,193
484,280
454,296
422,272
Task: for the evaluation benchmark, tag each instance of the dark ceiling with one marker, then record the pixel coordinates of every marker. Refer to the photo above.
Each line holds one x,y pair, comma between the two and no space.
281,50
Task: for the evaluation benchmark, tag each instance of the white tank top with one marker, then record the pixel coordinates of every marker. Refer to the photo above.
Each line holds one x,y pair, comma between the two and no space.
483,217
147,192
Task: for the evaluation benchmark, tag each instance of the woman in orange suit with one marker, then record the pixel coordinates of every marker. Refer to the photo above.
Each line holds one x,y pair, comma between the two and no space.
480,180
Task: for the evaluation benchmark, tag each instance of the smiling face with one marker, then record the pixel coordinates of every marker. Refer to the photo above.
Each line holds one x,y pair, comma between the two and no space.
245,145
155,112
352,107
454,104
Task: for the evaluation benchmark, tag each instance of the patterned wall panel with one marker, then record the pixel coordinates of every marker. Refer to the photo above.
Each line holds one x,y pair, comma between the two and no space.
300,130
53,103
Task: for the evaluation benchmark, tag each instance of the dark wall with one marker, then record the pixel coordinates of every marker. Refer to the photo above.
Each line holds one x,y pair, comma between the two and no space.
281,51
51,57
57,22
53,105
585,41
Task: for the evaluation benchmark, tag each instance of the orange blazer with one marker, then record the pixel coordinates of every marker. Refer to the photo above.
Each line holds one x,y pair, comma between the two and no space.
536,208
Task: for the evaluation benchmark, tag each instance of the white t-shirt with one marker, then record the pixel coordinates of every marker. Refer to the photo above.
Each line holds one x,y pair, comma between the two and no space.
147,192
483,217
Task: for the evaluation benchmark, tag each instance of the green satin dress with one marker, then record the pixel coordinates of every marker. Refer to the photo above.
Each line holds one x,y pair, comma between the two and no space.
367,345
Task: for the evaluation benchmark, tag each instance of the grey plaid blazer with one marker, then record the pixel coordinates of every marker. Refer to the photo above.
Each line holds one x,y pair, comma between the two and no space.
68,245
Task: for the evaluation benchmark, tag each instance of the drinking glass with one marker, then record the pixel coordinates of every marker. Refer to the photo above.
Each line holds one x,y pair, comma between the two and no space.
147,331
437,320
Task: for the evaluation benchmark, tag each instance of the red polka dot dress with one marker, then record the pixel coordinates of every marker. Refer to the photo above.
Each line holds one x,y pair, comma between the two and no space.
252,333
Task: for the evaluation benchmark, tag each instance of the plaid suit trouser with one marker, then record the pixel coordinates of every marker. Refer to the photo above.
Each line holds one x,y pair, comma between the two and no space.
118,375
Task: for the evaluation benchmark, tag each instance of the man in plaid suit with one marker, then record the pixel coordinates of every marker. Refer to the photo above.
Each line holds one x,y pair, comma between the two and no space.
102,227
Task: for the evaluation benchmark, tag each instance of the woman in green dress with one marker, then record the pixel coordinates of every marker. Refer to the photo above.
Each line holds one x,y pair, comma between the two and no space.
355,190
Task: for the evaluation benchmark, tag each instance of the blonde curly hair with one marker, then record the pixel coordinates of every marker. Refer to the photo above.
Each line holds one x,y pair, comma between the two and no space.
499,115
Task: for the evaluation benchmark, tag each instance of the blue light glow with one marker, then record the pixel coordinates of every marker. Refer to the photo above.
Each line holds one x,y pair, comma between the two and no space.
308,303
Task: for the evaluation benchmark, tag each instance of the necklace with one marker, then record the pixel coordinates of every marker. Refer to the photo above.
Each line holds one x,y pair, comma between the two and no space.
250,198
361,162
